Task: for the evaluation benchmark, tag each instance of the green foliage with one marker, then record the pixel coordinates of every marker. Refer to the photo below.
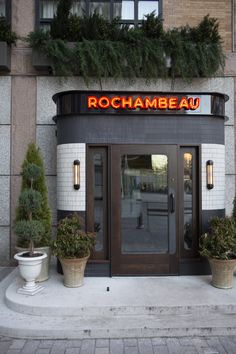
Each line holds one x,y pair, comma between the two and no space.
72,241
107,49
195,51
152,26
33,167
6,34
60,23
220,242
30,201
31,172
29,230
39,38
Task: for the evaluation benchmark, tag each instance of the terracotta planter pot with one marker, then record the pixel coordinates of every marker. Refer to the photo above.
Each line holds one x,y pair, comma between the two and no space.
222,272
73,270
44,273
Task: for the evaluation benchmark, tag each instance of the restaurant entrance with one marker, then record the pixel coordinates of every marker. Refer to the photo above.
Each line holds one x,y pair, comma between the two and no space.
143,184
133,204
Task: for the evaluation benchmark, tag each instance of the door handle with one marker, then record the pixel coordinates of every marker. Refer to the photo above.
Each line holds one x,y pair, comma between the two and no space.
172,203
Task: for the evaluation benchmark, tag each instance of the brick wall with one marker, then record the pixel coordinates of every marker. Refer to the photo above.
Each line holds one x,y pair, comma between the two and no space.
180,12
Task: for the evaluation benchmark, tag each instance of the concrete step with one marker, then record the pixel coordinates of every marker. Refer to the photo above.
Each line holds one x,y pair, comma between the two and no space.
50,314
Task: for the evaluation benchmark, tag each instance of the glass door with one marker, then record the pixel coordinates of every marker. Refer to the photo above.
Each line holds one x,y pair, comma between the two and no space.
143,195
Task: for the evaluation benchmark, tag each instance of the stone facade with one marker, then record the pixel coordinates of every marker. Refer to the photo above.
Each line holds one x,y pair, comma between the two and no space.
26,107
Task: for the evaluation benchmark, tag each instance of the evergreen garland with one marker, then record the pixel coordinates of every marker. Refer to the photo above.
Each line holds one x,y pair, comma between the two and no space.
6,34
33,157
103,49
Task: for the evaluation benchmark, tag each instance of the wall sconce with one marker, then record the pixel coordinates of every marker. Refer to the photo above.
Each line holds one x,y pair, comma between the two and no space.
209,172
76,174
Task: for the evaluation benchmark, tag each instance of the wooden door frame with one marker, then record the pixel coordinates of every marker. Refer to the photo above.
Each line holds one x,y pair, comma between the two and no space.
118,267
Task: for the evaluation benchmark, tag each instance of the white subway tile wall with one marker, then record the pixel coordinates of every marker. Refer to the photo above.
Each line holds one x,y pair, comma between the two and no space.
214,198
67,197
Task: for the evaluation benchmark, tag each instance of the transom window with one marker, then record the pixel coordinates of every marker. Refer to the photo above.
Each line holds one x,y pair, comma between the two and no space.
129,11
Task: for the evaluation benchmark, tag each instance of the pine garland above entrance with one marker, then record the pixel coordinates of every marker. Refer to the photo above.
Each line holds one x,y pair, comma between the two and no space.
95,47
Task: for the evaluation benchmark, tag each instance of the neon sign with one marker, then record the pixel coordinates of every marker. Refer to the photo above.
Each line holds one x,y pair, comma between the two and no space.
143,103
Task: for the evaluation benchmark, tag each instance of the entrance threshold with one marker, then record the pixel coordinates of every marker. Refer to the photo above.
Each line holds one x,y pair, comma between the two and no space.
133,307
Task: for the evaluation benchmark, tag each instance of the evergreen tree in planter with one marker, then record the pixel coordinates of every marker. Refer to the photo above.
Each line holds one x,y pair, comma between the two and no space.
30,230
43,213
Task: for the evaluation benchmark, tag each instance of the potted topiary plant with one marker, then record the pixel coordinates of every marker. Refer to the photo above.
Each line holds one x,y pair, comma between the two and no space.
30,230
219,246
42,244
72,247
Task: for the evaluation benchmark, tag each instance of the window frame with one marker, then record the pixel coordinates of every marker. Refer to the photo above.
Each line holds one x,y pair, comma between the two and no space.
8,10
40,21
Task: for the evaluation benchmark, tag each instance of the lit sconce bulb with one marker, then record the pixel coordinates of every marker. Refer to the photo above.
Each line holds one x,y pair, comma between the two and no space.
76,174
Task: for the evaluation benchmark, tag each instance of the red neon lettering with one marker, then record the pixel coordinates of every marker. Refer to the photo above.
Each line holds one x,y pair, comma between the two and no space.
126,102
173,102
184,103
162,103
194,103
123,102
138,103
104,102
115,102
150,103
92,102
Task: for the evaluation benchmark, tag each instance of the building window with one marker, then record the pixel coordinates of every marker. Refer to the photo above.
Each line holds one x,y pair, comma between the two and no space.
5,9
129,11
2,8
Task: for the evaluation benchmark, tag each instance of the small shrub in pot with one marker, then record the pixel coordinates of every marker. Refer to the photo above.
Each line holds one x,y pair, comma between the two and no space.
72,247
219,246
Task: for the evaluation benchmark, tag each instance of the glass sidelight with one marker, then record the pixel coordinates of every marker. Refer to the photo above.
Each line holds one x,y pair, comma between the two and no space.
188,202
144,204
97,200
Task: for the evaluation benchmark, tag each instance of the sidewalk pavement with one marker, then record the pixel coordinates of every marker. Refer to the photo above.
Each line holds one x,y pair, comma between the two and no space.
187,345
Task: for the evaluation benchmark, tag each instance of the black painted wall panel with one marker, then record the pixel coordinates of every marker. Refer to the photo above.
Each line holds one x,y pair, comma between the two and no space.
145,129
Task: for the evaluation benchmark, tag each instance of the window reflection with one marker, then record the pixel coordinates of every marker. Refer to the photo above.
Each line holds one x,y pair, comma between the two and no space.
124,10
129,11
78,8
98,201
146,7
48,8
144,204
100,8
188,200
2,8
